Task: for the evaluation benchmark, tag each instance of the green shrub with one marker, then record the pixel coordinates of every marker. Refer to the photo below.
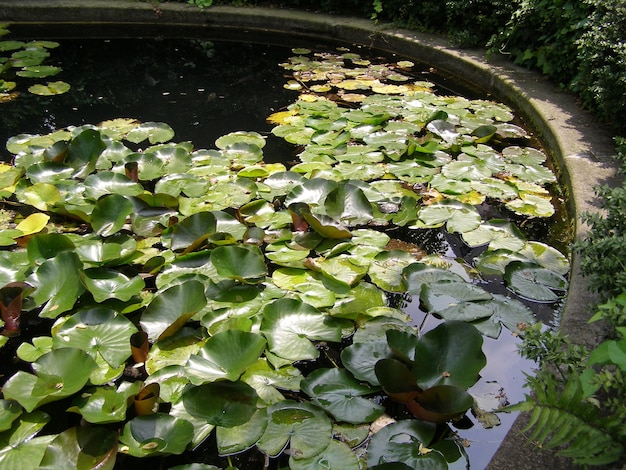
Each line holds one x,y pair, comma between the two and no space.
543,34
601,78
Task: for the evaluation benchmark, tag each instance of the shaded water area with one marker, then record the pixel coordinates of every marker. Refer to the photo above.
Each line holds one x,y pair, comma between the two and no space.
206,88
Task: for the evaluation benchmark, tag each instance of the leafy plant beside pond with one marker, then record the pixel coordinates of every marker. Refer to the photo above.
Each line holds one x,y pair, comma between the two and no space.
141,276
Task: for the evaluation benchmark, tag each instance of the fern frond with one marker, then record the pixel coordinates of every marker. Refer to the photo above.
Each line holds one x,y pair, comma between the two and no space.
562,419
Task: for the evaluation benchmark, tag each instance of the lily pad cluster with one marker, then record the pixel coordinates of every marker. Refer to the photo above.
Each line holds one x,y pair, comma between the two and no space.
192,292
26,60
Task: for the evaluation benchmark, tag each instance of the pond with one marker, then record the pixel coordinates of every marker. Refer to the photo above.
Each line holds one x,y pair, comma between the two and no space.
294,267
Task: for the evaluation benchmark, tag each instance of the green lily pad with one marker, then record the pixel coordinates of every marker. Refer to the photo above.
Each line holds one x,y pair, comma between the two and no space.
110,214
231,403
401,442
58,374
156,434
290,325
243,263
50,89
236,439
96,330
107,182
172,308
155,132
348,204
336,455
497,234
9,412
267,380
108,283
534,282
341,395
457,216
106,404
301,426
361,358
438,296
451,354
418,275
19,448
82,449
225,355
546,256
57,283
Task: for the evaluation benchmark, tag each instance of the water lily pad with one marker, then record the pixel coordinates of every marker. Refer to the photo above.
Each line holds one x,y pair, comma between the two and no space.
450,354
96,330
496,234
34,223
336,455
546,256
110,214
341,395
301,426
457,216
231,403
236,439
422,274
290,325
243,263
405,442
157,434
534,282
58,285
82,449
172,308
155,132
104,405
225,355
50,89
361,358
442,295
267,380
58,374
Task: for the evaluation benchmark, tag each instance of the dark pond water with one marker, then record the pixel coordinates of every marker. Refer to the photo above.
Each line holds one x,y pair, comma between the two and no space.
204,89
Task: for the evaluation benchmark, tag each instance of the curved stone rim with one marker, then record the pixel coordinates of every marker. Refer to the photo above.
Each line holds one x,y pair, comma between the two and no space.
581,149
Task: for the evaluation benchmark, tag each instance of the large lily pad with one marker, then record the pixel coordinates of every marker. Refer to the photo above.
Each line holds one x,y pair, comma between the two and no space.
225,355
82,449
534,282
341,395
290,325
156,434
231,403
97,331
451,354
301,426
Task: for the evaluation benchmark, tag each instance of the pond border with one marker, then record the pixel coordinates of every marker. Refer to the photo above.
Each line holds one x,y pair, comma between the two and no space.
580,147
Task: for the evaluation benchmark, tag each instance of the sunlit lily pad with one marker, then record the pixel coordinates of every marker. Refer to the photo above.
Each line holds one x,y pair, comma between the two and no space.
291,325
496,234
155,132
94,447
50,89
157,434
96,330
336,455
304,428
534,282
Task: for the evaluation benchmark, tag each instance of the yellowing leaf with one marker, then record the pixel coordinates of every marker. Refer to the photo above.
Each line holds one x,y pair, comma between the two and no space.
281,117
34,223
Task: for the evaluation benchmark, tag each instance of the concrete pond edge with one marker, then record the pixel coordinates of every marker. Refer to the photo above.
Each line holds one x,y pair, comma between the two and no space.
579,145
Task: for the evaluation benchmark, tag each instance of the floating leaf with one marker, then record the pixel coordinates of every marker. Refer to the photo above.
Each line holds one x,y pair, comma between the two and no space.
243,263
157,434
96,330
236,439
225,355
534,282
451,354
498,234
82,449
59,374
341,395
58,285
155,132
50,89
290,325
231,403
301,426
336,455
405,442
170,310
